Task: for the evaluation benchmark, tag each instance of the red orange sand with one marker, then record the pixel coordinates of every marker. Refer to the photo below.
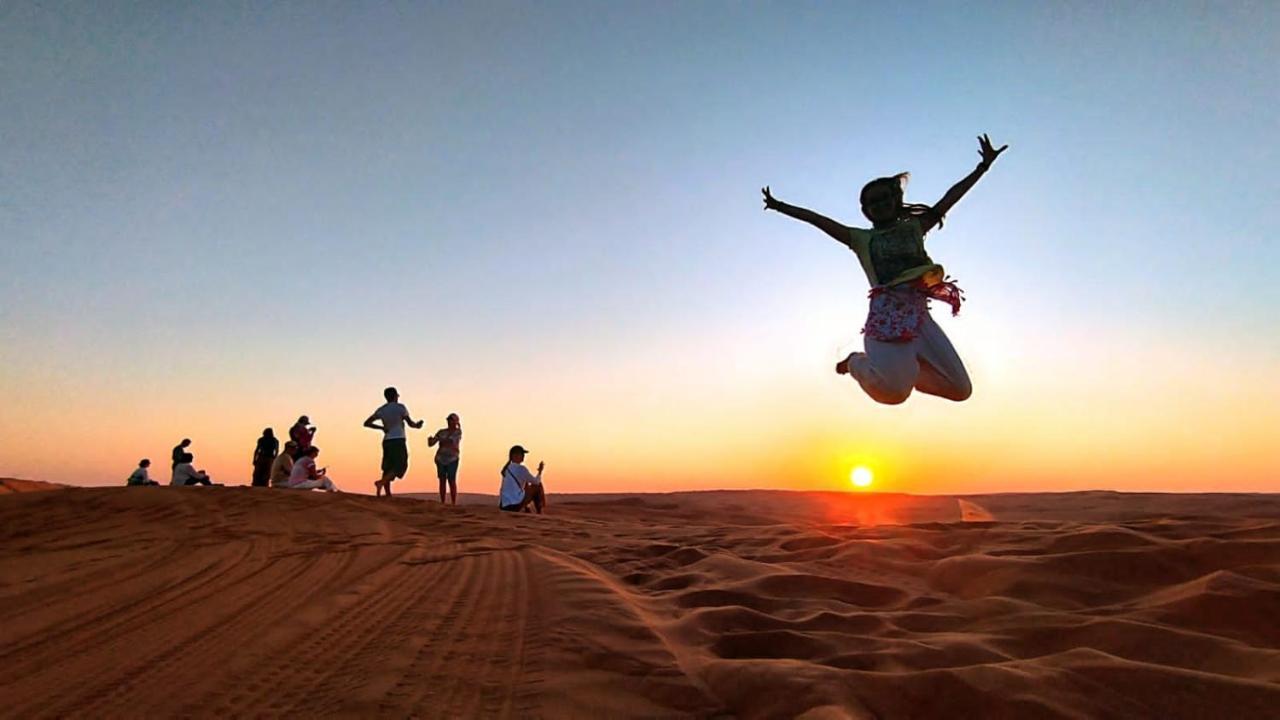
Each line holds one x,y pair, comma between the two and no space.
151,602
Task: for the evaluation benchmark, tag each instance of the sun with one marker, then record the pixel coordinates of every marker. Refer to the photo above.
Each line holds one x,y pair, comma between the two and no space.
860,477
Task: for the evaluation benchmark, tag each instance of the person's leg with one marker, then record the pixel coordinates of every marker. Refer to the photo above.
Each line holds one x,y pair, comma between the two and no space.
942,372
538,497
452,477
443,476
886,371
327,484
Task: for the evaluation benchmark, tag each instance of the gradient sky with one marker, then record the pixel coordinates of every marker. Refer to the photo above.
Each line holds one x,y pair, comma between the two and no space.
545,216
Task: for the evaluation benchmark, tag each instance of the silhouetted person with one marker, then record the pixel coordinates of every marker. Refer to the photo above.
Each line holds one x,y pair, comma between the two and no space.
395,447
305,475
263,455
520,488
179,450
905,349
448,455
185,474
141,475
301,434
282,466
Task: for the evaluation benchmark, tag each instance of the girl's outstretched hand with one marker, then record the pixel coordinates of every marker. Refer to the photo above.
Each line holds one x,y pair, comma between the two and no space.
988,153
769,202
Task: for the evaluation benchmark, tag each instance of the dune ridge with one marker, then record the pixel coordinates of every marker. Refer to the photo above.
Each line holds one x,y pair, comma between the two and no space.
158,601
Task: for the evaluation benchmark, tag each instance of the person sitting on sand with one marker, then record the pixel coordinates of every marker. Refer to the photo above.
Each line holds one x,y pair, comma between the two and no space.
448,455
519,486
282,466
305,476
140,476
185,474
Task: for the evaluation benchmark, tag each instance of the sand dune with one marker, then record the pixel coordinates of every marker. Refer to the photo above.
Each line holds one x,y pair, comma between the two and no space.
234,601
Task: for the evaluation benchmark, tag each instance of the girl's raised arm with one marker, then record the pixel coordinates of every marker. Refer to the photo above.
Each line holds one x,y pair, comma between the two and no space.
957,191
822,222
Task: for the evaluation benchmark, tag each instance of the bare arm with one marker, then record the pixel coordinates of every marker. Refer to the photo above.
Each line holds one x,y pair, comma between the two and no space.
822,222
957,191
369,423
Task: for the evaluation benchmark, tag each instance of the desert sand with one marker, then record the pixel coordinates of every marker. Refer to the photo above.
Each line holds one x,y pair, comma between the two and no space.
150,602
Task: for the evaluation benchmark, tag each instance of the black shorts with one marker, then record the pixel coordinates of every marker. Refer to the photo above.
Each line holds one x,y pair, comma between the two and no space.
395,457
448,471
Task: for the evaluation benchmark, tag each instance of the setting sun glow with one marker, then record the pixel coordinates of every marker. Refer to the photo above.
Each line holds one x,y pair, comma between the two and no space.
860,477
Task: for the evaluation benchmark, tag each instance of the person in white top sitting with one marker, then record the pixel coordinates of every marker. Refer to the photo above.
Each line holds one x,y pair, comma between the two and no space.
519,486
185,474
141,476
305,476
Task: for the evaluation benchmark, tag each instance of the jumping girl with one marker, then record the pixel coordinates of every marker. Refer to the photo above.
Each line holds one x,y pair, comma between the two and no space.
905,348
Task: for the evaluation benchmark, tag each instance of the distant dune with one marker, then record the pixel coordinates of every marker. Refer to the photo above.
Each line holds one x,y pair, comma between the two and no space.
14,485
150,602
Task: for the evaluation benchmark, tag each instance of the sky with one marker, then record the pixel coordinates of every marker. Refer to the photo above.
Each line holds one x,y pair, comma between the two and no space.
546,217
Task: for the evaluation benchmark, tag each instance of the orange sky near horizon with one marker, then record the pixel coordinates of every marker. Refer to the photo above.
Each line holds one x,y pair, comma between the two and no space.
780,420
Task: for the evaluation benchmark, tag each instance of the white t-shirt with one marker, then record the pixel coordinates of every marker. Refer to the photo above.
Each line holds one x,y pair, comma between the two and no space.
183,473
302,471
392,415
514,478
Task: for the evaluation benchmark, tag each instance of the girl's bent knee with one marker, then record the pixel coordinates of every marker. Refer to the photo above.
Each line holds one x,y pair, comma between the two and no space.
890,397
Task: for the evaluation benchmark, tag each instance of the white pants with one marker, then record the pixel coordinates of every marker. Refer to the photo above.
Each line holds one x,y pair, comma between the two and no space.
888,371
323,483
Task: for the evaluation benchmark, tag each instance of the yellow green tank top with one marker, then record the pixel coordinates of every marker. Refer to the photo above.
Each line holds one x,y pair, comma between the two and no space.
894,255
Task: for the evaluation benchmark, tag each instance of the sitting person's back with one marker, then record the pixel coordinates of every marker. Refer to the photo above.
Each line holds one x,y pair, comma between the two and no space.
282,466
141,476
185,474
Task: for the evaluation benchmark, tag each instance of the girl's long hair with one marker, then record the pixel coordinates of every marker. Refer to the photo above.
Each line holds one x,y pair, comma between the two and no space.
899,184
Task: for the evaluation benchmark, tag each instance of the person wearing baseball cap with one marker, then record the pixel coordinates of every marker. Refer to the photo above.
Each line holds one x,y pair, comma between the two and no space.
519,486
448,455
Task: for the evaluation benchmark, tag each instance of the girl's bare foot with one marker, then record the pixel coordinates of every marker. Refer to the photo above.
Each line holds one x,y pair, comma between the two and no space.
842,367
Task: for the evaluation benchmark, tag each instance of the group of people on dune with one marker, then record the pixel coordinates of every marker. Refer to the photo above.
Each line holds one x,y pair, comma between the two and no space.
296,466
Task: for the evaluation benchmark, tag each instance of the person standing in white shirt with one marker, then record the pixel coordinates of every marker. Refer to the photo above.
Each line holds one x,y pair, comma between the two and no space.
520,487
395,449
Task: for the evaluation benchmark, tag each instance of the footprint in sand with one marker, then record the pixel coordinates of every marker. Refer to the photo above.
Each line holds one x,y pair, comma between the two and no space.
973,512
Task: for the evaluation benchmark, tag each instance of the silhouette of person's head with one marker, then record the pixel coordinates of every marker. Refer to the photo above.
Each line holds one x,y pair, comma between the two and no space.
517,454
453,420
882,198
390,394
289,447
144,463
303,420
313,451
185,442
187,457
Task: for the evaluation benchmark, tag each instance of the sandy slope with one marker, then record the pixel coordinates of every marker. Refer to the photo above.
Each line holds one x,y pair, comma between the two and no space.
233,601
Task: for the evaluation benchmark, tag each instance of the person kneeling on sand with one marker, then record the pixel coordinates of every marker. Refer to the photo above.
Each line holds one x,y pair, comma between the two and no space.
185,474
282,466
140,476
305,476
519,486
